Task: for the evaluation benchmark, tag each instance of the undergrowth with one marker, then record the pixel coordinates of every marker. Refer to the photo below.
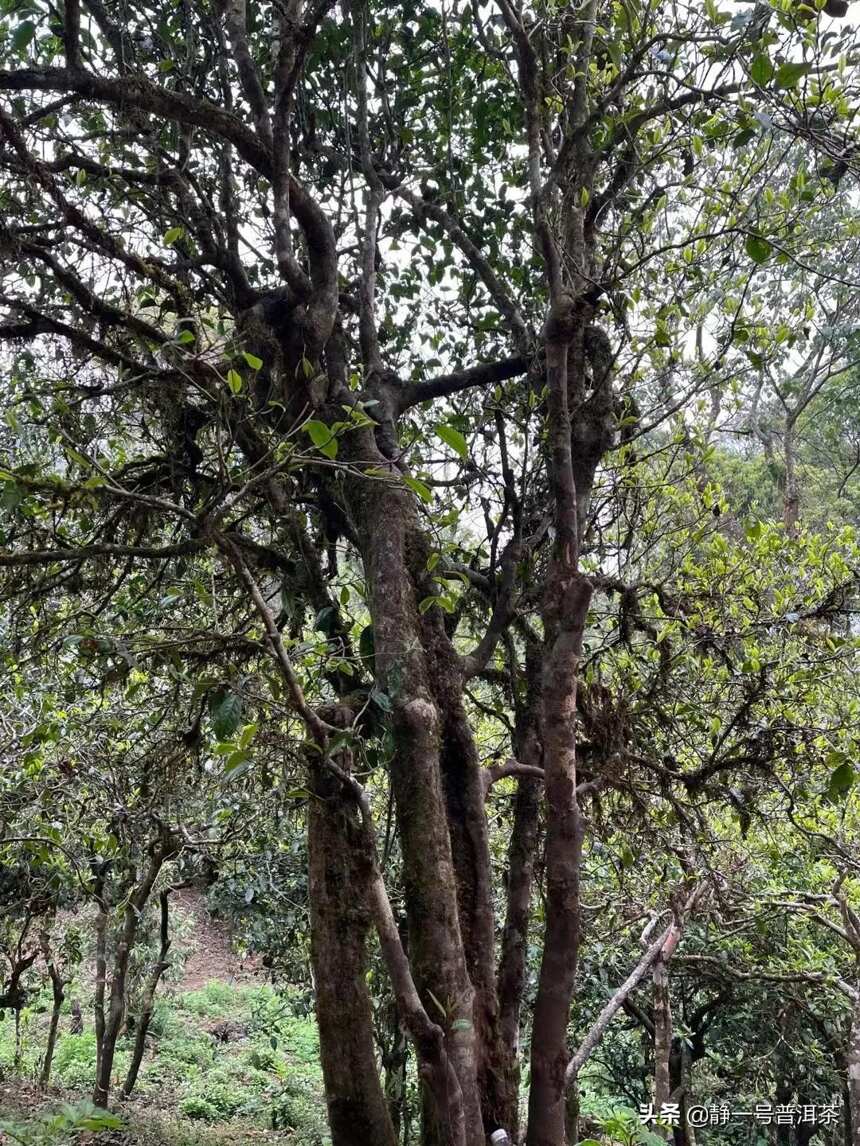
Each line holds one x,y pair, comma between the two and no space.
221,1059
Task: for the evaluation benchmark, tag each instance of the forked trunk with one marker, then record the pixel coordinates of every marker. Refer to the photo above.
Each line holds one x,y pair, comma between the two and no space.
161,965
385,530
111,1023
58,993
470,847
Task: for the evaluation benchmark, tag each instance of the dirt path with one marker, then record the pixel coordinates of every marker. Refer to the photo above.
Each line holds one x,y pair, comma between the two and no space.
213,956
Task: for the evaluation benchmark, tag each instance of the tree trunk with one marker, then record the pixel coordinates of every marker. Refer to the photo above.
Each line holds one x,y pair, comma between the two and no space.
783,1095
16,997
101,968
16,1060
681,1069
662,1037
395,1063
572,1112
357,1111
388,538
148,1002
521,858
848,1121
112,1022
58,992
791,492
565,610
470,847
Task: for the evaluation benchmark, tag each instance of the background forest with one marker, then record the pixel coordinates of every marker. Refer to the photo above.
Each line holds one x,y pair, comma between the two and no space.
429,493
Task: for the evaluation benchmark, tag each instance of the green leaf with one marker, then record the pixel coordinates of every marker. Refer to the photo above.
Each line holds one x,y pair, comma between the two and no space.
248,734
234,381
418,487
235,760
758,249
322,437
788,74
23,35
326,620
80,177
172,235
366,647
225,709
761,70
454,439
253,361
841,780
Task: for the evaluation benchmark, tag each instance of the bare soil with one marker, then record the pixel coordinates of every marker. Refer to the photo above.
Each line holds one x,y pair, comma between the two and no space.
213,956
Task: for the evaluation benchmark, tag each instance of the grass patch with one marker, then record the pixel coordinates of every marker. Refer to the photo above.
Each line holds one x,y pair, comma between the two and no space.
195,1090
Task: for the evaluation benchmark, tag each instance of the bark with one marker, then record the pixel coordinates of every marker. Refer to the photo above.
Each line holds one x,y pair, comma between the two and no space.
572,1112
681,1065
435,1066
101,966
565,610
14,996
386,532
791,493
782,1096
662,1034
111,1022
148,1002
852,1067
470,846
620,998
848,1119
58,984
521,857
340,920
395,1060
438,1056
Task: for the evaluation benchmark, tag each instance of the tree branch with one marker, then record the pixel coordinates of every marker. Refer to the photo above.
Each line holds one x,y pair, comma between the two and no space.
484,374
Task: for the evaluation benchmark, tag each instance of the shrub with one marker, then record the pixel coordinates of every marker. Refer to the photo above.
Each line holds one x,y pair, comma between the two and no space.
221,1095
301,1115
272,1016
197,1107
75,1059
213,1000
62,1127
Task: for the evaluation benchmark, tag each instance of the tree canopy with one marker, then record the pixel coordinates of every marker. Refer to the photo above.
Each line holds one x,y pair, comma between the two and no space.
428,519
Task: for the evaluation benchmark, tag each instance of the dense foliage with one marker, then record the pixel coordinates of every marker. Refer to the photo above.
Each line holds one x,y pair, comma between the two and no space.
429,492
